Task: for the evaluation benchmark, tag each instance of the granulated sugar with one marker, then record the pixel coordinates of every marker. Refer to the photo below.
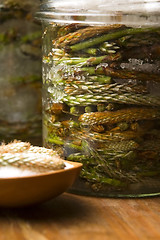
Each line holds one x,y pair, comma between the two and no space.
9,171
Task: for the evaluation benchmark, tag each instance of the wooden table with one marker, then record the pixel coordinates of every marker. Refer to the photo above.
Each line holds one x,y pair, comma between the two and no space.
73,217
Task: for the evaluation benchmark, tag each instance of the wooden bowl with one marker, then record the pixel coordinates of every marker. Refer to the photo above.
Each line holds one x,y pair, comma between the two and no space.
37,188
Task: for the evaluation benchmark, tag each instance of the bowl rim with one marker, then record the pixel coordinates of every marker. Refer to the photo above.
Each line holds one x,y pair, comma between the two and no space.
72,165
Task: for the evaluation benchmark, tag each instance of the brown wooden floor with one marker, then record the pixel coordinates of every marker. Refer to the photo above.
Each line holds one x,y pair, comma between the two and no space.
72,217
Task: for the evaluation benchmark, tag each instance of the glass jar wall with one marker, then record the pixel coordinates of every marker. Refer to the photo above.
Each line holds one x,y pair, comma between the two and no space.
101,95
20,72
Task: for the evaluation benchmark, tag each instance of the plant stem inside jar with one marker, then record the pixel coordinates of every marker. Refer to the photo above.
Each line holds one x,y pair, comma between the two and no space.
102,105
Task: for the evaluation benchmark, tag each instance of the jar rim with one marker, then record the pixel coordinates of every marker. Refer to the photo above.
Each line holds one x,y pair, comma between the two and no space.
139,12
101,6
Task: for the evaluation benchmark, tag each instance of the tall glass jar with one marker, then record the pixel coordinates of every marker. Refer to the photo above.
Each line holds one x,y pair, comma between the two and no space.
101,92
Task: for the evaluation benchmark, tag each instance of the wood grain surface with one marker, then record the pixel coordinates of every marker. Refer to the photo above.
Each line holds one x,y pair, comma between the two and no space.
73,217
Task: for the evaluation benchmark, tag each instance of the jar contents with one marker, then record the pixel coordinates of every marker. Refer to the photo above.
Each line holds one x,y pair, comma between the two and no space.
101,101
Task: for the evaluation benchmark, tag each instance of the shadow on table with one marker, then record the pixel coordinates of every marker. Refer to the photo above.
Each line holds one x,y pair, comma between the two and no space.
65,207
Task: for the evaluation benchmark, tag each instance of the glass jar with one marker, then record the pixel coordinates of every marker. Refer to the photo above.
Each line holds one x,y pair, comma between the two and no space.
101,93
20,72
